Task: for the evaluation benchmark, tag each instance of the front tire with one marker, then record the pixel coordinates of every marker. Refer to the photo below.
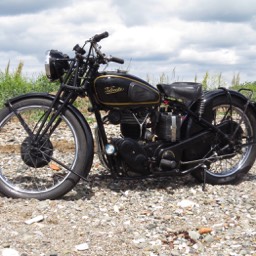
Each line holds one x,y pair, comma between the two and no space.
231,169
41,170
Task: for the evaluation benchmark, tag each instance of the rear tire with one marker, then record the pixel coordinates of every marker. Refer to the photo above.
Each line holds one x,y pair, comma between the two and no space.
29,170
231,169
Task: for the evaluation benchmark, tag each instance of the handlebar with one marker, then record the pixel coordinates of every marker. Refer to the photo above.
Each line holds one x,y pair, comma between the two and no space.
94,40
99,37
115,59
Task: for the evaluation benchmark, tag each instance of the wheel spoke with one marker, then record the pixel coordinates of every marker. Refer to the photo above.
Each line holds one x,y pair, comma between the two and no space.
240,133
67,168
24,162
23,123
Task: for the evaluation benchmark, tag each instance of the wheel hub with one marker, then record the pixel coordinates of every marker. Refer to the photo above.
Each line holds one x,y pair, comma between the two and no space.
36,153
234,143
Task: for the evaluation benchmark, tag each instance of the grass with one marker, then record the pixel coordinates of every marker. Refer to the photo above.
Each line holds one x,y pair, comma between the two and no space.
14,83
247,85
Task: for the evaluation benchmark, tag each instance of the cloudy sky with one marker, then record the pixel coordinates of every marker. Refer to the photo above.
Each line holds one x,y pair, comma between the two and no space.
180,38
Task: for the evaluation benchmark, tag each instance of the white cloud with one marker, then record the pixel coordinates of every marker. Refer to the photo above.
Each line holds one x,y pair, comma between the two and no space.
217,57
155,35
17,7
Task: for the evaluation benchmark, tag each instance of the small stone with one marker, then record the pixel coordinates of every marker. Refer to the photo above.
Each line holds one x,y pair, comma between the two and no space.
82,247
194,235
116,209
156,242
167,217
186,204
195,246
209,238
9,252
175,253
127,223
204,230
151,226
34,220
244,252
139,241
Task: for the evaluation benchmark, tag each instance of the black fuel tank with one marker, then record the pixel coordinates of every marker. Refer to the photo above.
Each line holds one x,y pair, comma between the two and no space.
118,89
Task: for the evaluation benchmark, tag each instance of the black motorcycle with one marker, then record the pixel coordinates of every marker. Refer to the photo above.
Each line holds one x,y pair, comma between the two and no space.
47,146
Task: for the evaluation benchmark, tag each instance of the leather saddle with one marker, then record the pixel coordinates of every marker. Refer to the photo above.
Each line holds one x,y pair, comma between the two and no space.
188,92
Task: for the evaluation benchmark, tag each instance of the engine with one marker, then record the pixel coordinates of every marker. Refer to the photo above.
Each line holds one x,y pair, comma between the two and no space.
168,127
133,125
143,130
147,124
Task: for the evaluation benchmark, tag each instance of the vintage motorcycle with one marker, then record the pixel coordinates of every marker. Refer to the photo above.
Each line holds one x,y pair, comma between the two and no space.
47,145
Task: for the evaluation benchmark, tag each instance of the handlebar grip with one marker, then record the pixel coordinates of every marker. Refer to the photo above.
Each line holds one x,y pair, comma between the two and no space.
117,60
99,37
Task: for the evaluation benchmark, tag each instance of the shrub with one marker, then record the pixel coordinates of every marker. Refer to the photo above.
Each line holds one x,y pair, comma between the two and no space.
14,84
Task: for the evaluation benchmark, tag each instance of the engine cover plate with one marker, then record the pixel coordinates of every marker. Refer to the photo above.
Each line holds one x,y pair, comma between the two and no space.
133,154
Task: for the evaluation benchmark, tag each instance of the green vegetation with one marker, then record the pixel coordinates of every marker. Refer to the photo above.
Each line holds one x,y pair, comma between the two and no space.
14,84
215,81
247,85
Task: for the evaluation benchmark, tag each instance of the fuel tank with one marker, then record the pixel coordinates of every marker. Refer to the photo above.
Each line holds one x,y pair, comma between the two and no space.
119,89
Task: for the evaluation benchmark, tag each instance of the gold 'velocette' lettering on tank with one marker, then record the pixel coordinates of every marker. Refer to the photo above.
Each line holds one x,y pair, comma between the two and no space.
113,89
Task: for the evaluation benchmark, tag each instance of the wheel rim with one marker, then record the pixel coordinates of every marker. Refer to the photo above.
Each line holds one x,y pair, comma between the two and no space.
228,166
17,166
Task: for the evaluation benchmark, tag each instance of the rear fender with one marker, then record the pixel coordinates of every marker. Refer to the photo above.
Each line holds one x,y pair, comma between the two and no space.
190,127
51,97
210,96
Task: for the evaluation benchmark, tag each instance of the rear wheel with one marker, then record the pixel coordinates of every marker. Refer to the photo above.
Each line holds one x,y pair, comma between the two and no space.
229,162
39,167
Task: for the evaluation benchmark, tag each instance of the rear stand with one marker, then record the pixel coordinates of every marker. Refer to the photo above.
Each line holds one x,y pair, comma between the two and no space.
204,177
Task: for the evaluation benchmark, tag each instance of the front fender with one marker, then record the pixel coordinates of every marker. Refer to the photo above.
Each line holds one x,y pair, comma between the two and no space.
51,97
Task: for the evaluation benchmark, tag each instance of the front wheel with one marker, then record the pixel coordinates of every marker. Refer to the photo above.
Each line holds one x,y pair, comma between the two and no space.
231,161
39,166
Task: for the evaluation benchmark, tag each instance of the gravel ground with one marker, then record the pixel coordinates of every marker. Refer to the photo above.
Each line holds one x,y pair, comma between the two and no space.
170,216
